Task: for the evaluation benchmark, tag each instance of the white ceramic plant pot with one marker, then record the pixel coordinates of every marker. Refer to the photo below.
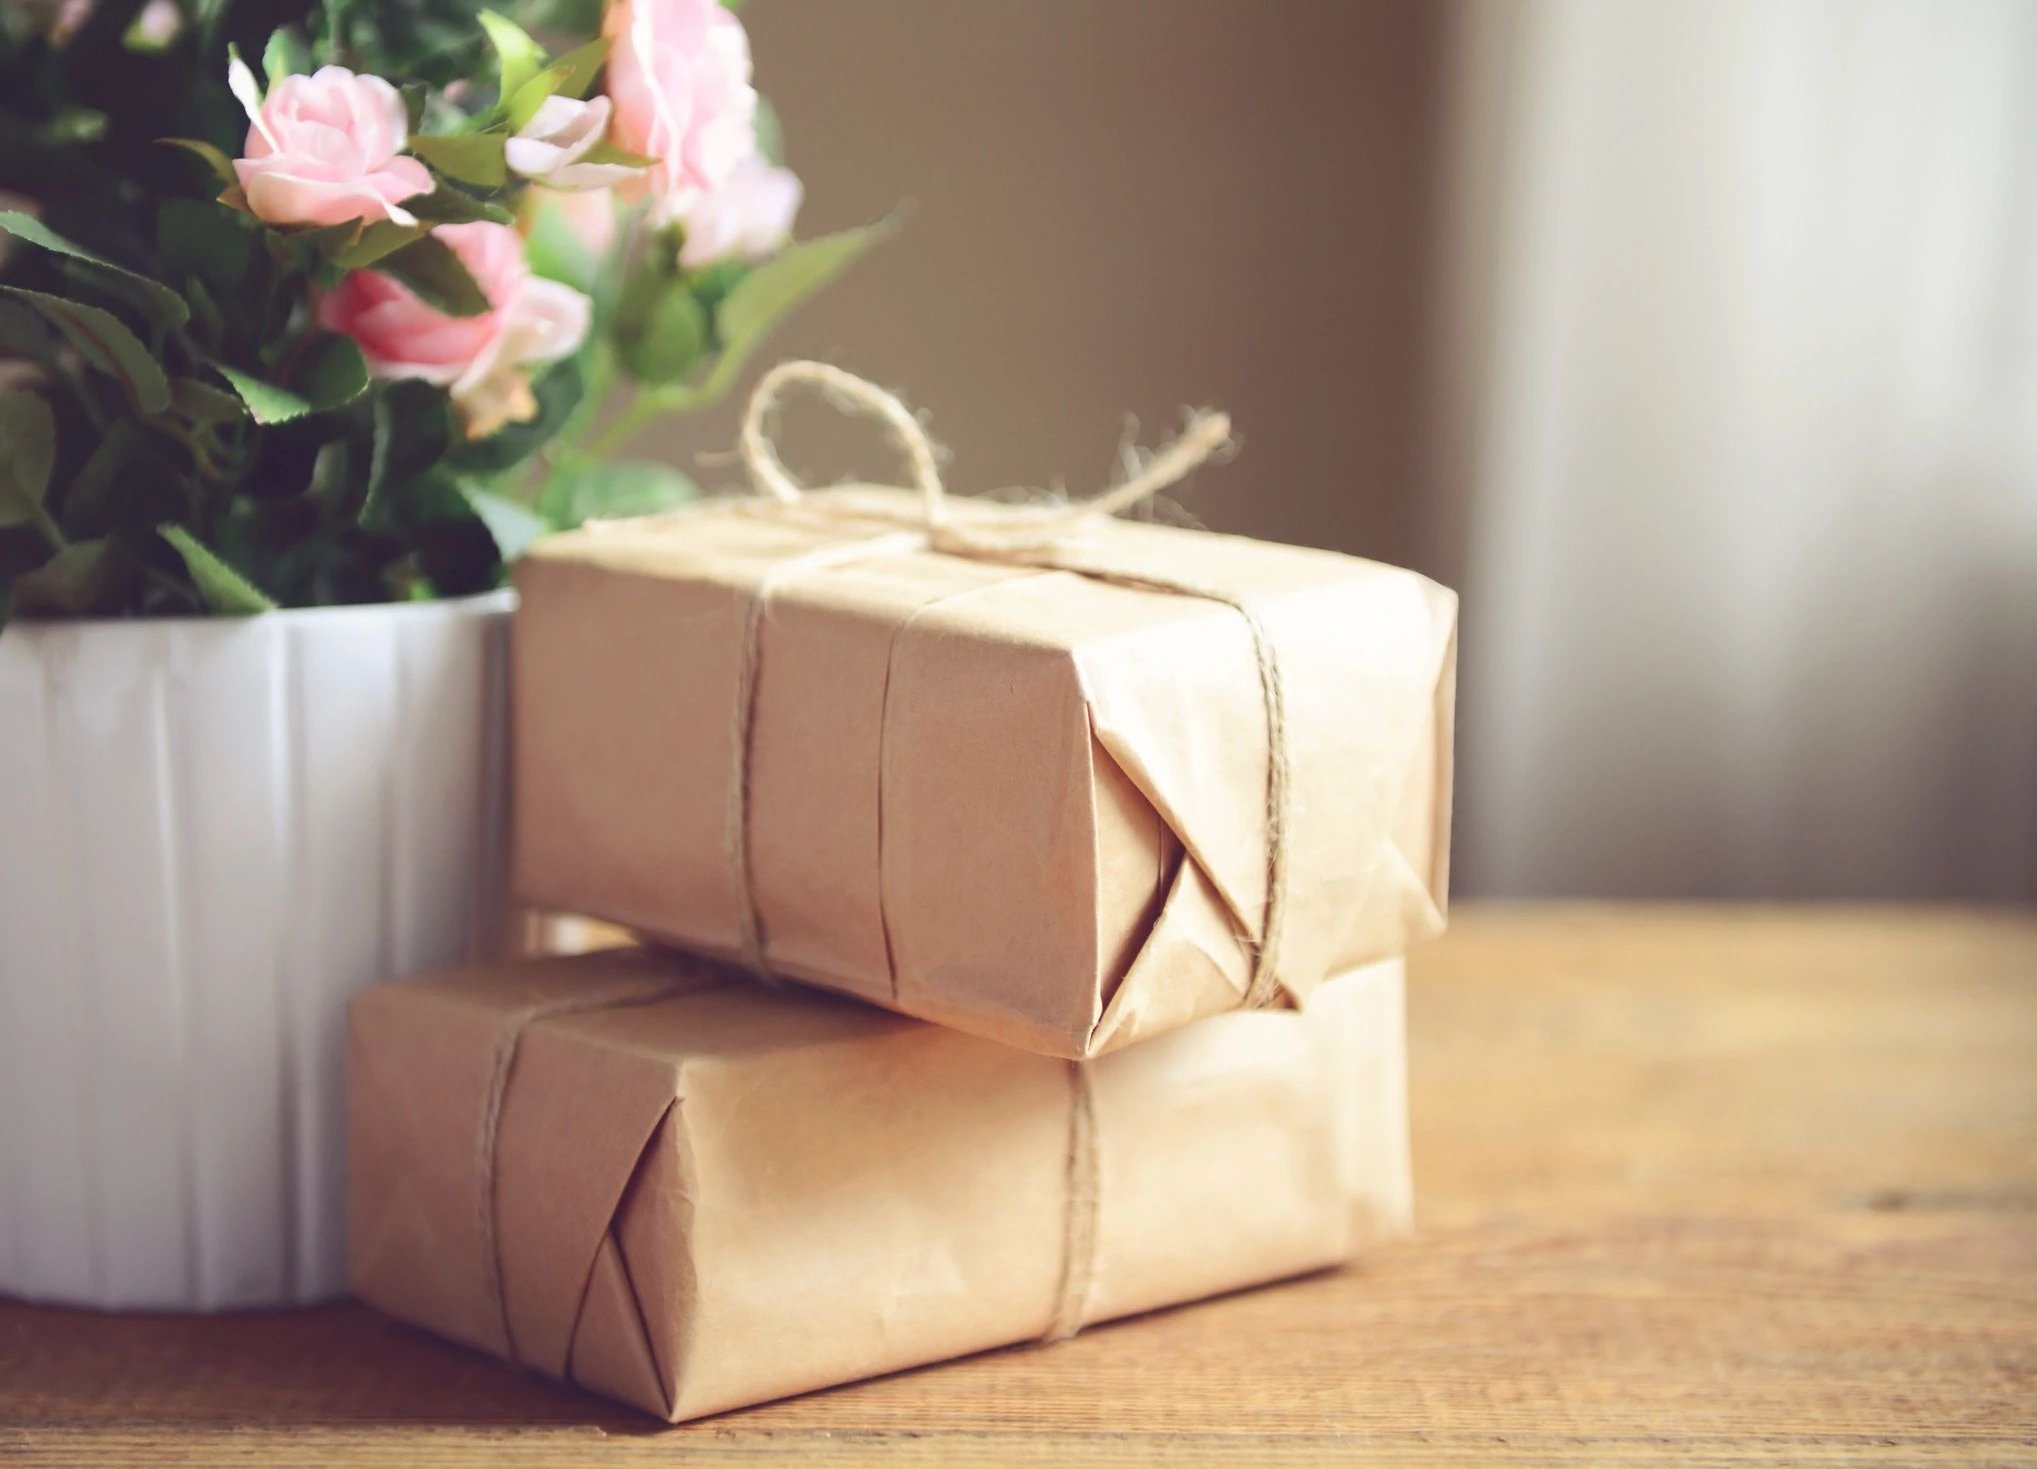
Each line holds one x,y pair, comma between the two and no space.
212,833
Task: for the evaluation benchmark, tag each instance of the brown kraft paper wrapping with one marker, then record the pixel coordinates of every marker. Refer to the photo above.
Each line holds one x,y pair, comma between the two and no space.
1028,803
699,1192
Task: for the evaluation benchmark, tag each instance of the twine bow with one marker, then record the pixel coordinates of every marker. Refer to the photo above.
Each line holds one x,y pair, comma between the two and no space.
1018,530
1028,534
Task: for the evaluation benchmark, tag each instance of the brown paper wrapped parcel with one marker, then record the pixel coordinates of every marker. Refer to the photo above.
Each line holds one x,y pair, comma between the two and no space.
1029,801
691,1192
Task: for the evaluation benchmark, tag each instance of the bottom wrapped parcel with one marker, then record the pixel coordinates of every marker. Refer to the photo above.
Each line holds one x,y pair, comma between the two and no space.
692,1192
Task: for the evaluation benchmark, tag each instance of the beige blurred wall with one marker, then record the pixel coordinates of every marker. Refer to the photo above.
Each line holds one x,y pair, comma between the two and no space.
1122,206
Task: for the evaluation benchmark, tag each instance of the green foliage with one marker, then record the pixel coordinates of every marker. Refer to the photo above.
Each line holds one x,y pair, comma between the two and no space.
329,374
223,588
180,435
429,267
774,290
520,56
662,328
612,489
28,444
178,432
690,335
475,158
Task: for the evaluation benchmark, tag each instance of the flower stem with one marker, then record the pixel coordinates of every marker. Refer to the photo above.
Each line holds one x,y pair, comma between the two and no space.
635,418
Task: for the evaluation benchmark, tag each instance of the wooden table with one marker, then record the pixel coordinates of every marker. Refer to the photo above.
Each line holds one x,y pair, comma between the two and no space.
1696,1185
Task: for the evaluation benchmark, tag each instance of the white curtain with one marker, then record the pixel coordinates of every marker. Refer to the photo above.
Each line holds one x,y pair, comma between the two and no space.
1738,445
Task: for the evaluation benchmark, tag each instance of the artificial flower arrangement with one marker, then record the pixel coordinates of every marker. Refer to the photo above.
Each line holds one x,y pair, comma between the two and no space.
321,301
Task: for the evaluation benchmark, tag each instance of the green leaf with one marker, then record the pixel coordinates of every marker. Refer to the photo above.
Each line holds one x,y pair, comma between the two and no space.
611,489
712,285
28,451
661,331
204,404
266,402
418,100
301,249
578,67
512,525
475,158
413,429
205,240
206,316
224,589
448,205
770,135
331,374
95,498
106,345
286,55
772,291
153,299
521,57
332,474
432,270
217,161
383,238
608,153
570,76
455,550
519,109
85,576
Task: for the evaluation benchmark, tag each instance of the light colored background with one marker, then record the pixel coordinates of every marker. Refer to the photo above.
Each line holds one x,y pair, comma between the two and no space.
1695,341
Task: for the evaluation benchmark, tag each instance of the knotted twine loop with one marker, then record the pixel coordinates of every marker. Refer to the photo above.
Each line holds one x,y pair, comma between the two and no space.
1017,530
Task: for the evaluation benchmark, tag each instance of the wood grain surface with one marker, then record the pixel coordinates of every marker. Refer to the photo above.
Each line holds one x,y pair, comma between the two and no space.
1701,1186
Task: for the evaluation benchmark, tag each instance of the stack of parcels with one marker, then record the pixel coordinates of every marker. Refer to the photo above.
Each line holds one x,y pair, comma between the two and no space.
1137,838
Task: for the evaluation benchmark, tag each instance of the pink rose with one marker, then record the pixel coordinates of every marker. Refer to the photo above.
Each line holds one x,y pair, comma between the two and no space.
482,360
746,218
323,149
679,74
552,147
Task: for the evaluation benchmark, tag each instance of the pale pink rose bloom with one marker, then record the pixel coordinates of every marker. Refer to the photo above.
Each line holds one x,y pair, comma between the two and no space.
483,361
747,218
323,149
552,146
679,73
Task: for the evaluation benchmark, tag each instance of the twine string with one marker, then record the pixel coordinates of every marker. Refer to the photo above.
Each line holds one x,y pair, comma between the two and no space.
488,1142
1032,534
1043,535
